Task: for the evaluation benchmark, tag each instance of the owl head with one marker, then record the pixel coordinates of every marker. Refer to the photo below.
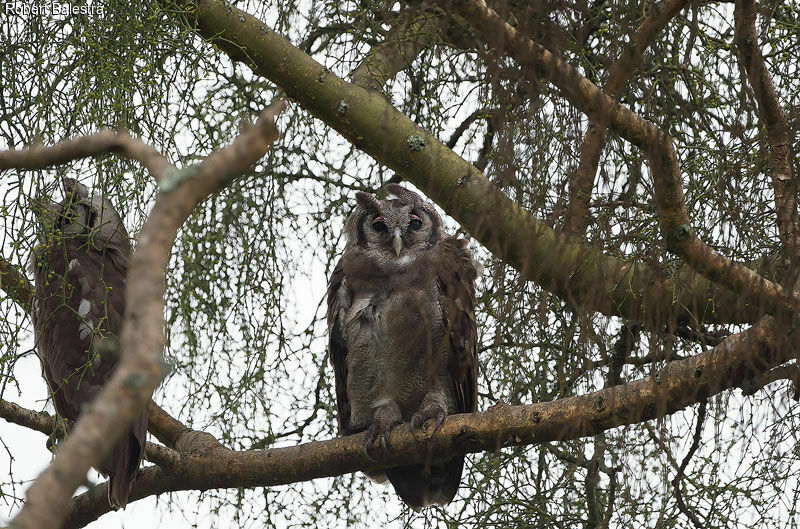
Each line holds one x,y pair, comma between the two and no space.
82,215
396,226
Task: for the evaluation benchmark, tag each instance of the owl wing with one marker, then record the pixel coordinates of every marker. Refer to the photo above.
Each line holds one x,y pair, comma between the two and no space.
455,280
73,313
338,303
100,279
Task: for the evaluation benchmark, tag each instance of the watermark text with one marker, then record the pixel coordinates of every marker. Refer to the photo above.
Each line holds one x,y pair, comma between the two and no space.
51,9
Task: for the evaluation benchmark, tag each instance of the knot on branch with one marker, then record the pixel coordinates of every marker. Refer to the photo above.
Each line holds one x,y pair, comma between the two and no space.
194,442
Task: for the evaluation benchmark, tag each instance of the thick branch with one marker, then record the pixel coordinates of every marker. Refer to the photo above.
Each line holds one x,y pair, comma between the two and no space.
164,426
680,384
142,340
789,372
568,267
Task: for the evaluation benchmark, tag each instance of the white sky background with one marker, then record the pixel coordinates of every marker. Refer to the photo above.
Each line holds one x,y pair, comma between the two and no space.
31,456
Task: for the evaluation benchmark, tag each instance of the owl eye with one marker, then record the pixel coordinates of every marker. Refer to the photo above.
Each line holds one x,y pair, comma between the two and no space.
378,224
415,223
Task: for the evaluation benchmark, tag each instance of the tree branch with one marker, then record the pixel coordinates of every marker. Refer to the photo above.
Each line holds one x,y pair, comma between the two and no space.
582,182
47,424
600,108
774,120
417,30
676,482
679,384
105,142
785,372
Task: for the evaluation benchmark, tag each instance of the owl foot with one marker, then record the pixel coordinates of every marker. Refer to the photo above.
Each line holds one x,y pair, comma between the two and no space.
433,409
385,419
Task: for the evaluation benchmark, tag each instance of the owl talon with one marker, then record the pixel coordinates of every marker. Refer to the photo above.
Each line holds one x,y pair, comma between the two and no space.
419,422
378,430
366,449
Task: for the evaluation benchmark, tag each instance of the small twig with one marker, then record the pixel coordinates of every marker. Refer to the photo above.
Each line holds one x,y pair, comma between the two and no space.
676,482
481,113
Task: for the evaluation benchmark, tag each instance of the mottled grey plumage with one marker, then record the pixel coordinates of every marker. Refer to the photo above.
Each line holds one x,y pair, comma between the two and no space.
79,271
402,333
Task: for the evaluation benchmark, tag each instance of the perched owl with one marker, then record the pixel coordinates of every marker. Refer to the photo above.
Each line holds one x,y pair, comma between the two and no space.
402,333
79,303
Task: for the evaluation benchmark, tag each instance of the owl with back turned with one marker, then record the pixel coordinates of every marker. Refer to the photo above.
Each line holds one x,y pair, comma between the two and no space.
402,334
79,304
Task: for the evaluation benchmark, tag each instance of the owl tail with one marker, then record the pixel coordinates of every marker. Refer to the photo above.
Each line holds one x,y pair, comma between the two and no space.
125,458
422,485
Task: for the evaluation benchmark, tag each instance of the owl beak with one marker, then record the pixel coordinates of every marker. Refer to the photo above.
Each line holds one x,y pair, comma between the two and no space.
397,243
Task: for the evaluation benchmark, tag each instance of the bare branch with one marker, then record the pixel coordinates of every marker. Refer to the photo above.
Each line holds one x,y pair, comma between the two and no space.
786,372
570,268
481,113
673,216
105,142
676,481
164,426
581,183
417,30
47,424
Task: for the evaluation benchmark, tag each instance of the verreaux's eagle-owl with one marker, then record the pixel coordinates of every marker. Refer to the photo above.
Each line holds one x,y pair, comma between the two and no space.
402,333
80,270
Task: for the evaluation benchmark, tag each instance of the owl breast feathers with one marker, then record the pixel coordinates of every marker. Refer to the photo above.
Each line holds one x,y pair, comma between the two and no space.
402,333
79,302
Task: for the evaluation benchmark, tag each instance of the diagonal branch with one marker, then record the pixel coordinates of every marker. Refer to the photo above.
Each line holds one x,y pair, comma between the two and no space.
142,340
599,107
568,267
774,120
417,30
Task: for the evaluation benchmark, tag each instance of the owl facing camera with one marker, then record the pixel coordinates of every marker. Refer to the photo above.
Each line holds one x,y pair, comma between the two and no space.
402,334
